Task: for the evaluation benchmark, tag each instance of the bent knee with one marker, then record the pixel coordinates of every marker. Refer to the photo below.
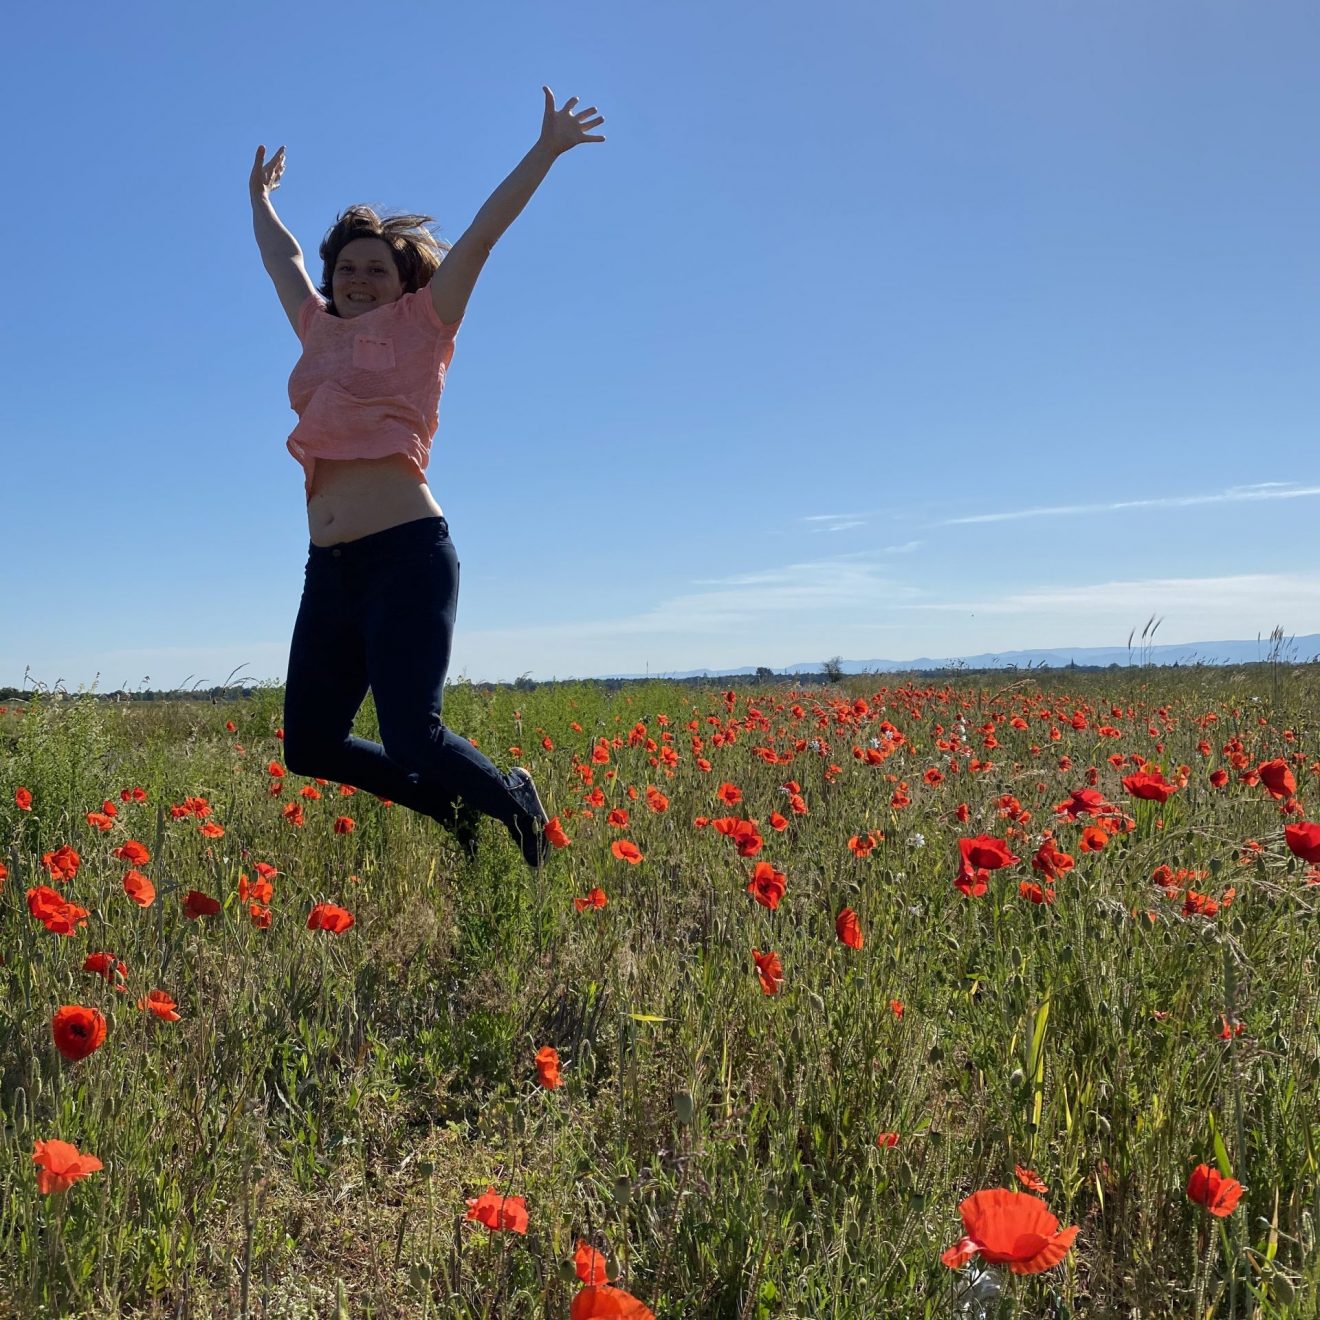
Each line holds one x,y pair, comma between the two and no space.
413,746
306,755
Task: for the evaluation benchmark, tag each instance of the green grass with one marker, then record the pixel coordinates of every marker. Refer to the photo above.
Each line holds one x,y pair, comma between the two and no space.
302,1142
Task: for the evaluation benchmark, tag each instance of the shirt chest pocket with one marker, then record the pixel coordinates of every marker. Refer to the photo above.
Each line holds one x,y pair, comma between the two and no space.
372,353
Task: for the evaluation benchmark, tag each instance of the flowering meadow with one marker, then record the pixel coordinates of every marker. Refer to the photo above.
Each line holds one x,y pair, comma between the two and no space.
883,998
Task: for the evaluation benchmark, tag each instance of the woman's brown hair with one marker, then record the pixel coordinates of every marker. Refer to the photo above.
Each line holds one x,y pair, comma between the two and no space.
417,251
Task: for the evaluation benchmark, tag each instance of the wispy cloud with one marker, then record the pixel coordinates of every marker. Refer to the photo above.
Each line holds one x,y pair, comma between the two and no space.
1264,490
1245,601
785,598
837,522
905,549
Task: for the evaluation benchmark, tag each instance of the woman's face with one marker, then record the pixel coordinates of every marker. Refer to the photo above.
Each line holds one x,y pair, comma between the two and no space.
364,277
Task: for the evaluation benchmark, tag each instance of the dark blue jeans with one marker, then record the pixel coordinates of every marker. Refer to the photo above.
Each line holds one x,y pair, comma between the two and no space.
378,612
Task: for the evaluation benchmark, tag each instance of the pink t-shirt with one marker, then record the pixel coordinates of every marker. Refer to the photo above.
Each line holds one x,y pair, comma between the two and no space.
369,385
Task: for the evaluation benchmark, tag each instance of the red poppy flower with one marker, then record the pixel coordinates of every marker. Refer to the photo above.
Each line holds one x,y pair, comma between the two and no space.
554,833
256,891
1208,1187
139,889
1150,787
197,904
344,825
896,1008
161,1004
1199,905
1009,1228
588,1263
626,851
1050,862
748,839
985,853
769,969
729,794
49,907
1303,840
848,928
656,800
60,1165
973,883
606,1303
132,852
595,898
503,1213
1034,893
1218,778
104,964
78,1031
23,799
1083,802
1093,839
1277,778
767,885
862,845
330,917
778,822
547,1067
1028,1178
617,817
62,863
886,1140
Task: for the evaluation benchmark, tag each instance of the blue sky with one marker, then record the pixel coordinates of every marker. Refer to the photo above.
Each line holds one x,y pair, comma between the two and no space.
887,331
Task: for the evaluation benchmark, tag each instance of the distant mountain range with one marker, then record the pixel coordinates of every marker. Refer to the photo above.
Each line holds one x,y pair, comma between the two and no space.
1294,650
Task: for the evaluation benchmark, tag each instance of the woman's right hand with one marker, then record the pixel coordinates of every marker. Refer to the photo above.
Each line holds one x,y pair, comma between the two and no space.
265,175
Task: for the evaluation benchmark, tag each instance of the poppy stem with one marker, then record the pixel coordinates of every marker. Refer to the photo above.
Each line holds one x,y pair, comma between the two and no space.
754,1284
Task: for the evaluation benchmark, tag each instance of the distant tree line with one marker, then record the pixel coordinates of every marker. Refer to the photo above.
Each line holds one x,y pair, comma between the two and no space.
831,671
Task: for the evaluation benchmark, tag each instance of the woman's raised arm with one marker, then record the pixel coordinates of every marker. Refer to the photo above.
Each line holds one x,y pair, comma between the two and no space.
452,284
280,253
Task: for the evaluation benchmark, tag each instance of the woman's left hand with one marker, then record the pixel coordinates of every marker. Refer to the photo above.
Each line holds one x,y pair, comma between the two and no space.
561,129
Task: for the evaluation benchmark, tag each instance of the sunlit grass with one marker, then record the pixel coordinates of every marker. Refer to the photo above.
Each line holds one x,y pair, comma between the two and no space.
304,1140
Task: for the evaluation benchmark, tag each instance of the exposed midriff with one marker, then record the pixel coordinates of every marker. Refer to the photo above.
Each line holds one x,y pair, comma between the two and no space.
354,497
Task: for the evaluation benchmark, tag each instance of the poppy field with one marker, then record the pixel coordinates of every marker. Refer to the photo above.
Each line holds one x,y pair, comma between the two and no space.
888,997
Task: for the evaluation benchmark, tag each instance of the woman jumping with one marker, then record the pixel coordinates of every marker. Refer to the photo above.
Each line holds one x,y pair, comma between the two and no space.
382,575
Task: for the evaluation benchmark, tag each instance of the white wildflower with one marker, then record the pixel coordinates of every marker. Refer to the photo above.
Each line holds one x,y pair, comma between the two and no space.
981,1291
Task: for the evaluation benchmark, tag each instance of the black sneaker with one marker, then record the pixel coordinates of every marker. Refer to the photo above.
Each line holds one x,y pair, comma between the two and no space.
528,829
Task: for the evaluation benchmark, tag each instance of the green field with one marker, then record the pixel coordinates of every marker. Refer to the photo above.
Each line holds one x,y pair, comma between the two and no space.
303,1140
